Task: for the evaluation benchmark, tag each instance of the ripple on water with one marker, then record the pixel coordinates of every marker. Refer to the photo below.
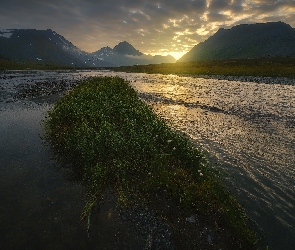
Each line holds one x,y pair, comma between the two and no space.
247,127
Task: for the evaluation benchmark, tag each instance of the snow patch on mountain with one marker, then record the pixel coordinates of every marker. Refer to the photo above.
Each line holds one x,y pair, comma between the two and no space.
5,33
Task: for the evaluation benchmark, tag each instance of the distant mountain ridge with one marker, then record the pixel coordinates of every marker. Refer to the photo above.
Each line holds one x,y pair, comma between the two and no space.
124,54
246,41
125,48
30,45
46,46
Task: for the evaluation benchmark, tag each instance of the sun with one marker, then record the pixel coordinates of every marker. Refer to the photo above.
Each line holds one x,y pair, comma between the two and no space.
176,54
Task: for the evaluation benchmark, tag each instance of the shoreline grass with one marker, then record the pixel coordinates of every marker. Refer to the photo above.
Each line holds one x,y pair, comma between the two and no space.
272,67
111,139
268,67
6,64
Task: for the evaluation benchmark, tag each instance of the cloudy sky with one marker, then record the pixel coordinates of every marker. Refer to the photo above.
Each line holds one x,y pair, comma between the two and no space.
153,27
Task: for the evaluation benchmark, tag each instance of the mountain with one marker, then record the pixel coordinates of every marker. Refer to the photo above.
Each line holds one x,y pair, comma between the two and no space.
246,41
30,45
104,51
125,48
48,47
124,54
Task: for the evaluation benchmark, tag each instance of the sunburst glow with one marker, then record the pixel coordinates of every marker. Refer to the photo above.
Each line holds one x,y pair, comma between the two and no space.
150,26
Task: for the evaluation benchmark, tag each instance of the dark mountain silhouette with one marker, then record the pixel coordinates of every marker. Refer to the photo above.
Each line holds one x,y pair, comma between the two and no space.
104,51
124,54
30,45
163,59
48,47
125,48
246,41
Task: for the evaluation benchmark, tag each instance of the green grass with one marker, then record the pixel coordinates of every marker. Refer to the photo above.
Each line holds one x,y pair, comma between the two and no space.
113,140
235,67
279,66
6,64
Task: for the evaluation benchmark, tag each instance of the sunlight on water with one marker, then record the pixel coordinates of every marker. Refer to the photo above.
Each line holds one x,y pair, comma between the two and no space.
248,129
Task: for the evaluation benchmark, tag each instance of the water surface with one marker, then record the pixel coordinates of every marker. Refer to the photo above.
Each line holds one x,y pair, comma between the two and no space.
40,208
248,128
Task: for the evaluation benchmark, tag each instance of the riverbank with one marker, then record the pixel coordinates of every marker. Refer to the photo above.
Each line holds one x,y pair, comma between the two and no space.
267,67
231,69
126,149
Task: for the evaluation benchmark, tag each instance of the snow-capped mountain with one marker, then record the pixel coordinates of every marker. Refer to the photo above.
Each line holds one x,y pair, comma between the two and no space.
124,54
30,45
48,47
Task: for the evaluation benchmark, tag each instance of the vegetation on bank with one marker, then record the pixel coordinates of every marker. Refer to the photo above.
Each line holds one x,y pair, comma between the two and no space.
275,67
6,64
111,139
280,66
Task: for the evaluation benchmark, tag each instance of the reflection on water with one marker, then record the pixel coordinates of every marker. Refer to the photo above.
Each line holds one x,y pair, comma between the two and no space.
34,197
247,127
39,208
250,129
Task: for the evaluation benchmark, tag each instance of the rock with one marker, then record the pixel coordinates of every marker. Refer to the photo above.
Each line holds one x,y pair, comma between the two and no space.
191,219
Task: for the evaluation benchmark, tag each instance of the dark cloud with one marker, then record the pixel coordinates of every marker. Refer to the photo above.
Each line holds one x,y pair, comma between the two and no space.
219,4
151,26
217,17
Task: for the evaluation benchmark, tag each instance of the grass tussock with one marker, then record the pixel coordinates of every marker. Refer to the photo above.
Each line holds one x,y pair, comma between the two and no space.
111,139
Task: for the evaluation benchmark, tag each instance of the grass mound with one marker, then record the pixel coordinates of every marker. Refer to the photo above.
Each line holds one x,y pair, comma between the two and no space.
111,139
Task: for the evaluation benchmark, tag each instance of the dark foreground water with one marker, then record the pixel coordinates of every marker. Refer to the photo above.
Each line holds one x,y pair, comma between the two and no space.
34,196
247,127
39,207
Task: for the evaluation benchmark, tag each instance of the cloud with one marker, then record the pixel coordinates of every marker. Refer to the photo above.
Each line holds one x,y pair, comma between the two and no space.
150,26
218,4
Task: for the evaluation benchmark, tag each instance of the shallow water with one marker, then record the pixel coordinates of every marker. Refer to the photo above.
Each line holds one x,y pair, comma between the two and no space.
248,128
34,196
39,207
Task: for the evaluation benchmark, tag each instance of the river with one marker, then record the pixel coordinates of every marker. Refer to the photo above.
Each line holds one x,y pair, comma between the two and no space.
40,206
247,128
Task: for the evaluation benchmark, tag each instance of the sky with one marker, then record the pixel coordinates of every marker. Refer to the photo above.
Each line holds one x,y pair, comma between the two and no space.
153,27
